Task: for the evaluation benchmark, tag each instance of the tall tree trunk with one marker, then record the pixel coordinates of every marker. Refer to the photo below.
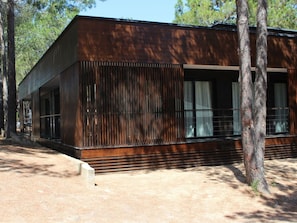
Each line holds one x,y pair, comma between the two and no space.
246,86
260,97
11,71
2,60
253,118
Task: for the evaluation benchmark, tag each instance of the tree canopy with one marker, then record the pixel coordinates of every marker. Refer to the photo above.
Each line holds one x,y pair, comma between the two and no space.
281,14
38,24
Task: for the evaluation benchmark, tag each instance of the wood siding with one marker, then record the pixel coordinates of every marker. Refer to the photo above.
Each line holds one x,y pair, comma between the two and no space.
131,103
71,118
292,92
112,40
181,156
61,55
35,115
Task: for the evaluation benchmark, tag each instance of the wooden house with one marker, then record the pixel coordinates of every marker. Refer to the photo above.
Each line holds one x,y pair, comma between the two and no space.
126,95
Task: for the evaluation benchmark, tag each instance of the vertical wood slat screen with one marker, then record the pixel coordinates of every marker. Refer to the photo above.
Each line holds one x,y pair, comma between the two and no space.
131,103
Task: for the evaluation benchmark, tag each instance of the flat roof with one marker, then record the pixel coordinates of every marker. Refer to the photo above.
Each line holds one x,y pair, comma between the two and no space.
219,26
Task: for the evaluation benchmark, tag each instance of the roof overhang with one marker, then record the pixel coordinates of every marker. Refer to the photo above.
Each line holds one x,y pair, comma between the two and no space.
233,68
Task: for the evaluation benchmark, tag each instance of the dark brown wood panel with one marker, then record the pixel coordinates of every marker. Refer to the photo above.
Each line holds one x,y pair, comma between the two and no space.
131,103
35,115
154,43
107,39
159,149
292,92
71,117
181,156
61,55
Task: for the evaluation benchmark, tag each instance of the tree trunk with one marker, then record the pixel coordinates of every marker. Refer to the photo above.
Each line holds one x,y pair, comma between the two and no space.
253,118
260,97
11,71
245,79
2,60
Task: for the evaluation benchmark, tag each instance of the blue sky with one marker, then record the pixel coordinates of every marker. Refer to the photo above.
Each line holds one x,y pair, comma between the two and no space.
146,10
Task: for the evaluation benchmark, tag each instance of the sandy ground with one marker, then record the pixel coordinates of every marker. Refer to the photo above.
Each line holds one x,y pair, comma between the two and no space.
41,185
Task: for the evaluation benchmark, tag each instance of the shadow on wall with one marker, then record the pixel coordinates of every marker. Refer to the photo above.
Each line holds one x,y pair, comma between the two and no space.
178,156
155,43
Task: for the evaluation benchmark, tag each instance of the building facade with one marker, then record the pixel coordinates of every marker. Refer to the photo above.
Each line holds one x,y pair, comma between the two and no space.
124,95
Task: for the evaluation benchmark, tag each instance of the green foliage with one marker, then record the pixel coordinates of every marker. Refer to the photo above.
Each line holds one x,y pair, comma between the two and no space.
254,186
281,14
38,24
205,12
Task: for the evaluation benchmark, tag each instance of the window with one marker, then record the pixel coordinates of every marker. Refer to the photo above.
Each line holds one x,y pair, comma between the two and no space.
212,104
198,109
236,108
50,115
281,111
277,112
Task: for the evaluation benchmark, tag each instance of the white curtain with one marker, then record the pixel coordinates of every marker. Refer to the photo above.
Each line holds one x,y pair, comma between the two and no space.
204,114
280,102
236,108
188,107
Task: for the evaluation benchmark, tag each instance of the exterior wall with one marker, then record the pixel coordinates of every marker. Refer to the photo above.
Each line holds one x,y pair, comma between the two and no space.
184,155
131,104
162,43
154,43
35,115
292,92
71,117
61,55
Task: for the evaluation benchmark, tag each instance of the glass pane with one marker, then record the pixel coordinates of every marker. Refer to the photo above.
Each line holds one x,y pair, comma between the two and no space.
236,108
203,103
188,106
280,102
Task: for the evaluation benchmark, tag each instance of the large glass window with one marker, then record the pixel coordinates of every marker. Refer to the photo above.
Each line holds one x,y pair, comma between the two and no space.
50,115
198,109
277,112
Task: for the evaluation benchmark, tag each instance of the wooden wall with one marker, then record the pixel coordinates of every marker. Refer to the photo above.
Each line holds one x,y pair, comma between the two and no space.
292,93
112,40
70,103
218,152
35,100
61,55
131,103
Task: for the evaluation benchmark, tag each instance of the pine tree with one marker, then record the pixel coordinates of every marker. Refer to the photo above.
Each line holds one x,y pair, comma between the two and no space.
253,116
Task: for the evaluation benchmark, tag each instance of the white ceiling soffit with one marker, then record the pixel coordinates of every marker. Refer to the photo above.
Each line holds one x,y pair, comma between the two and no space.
236,68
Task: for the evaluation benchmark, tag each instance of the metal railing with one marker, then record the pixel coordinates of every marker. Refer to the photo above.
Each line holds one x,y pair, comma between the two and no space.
50,126
227,122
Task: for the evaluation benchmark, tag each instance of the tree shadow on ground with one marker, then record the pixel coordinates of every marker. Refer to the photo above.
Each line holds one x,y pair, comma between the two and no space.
11,146
282,178
231,176
237,173
279,208
29,169
282,204
15,158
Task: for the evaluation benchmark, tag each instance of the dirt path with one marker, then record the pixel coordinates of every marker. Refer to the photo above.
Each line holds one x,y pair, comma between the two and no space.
41,185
